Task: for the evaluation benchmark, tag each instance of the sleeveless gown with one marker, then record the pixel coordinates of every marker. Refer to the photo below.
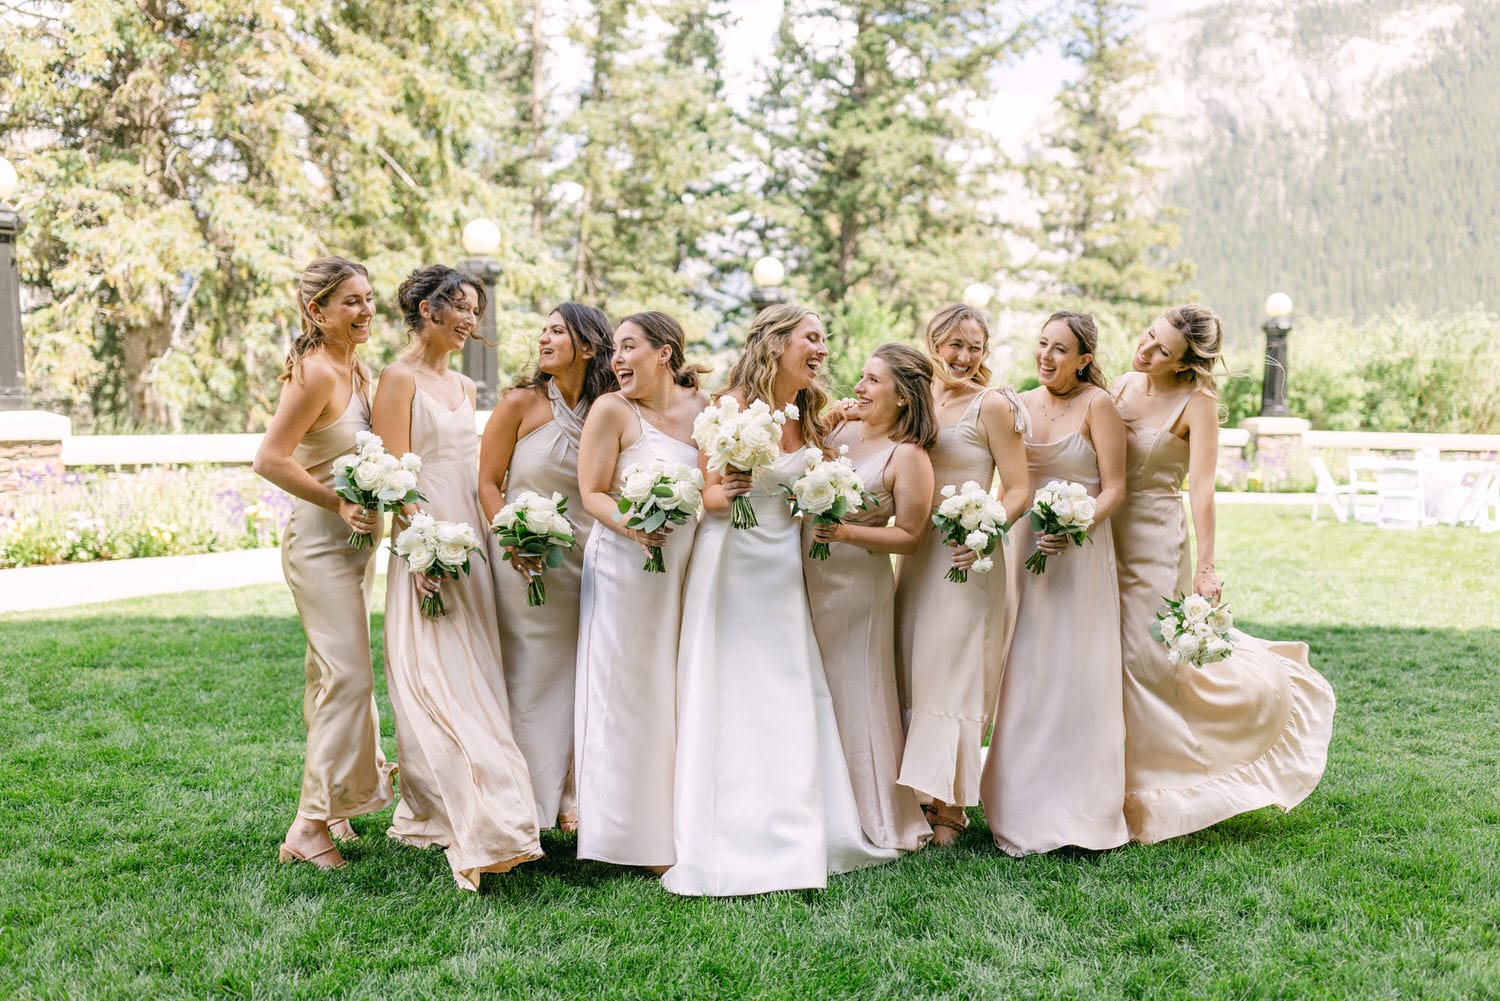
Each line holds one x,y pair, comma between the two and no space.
625,729
850,595
949,637
464,784
1055,772
762,800
344,773
1201,744
540,644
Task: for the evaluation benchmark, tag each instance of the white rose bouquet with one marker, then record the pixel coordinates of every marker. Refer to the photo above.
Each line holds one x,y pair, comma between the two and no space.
746,441
375,479
652,494
537,526
827,491
1062,507
437,549
970,516
1194,629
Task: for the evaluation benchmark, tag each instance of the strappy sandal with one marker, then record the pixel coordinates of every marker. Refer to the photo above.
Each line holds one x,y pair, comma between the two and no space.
937,821
342,830
290,854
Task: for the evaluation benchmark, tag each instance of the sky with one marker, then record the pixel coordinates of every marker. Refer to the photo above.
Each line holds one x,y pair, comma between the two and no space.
1024,91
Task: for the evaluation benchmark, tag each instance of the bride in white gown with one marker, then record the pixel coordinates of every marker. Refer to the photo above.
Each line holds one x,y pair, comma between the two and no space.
763,800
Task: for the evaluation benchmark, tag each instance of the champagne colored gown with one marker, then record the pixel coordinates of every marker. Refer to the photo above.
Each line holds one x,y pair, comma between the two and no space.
1201,744
762,800
625,731
344,773
464,784
950,636
1055,772
851,595
540,644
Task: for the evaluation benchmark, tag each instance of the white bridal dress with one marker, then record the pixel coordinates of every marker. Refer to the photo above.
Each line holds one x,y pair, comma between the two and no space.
763,800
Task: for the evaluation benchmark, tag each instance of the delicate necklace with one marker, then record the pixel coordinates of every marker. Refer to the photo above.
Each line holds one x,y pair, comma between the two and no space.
1046,411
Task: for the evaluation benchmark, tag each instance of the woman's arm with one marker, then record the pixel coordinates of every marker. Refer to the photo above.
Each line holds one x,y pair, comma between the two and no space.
496,447
908,476
1203,460
1107,430
608,423
1008,449
390,416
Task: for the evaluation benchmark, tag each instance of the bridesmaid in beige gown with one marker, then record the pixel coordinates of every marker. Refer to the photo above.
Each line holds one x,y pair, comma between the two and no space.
464,783
323,405
531,443
889,425
1201,744
625,731
950,637
1055,774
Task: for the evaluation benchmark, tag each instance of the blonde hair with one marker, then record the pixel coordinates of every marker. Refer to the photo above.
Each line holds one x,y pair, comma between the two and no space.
754,372
946,321
319,281
1203,335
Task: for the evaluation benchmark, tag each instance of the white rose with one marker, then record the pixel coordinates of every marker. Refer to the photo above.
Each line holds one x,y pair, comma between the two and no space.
367,474
1063,508
983,565
365,441
453,553
1220,620
345,461
638,485
1083,511
757,437
421,559
1173,657
977,541
422,522
505,518
1188,646
791,412
951,507
818,498
1195,608
411,462
1077,490
949,490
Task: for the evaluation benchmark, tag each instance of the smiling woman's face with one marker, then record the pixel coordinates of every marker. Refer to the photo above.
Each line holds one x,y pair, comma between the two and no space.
804,352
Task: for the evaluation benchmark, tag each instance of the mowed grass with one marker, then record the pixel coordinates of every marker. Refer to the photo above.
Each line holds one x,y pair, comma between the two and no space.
152,753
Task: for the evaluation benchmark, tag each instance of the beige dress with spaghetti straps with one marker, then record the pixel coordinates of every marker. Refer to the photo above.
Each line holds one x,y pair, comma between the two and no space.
344,774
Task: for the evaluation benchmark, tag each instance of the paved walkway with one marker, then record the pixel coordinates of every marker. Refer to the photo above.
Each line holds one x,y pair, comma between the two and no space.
27,589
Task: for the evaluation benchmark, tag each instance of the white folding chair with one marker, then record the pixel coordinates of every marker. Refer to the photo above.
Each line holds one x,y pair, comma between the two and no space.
1474,484
1399,498
1363,503
1329,492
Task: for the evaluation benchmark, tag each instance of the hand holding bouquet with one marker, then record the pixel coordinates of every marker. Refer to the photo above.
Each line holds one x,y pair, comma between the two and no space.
653,494
745,441
536,526
436,549
827,491
970,516
375,479
1195,630
1060,508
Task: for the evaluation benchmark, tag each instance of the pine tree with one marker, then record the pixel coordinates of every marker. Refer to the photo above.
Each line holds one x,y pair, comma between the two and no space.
1101,237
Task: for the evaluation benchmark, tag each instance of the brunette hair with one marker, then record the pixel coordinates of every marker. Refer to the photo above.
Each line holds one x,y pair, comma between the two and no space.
664,332
911,372
438,285
754,372
585,326
943,323
319,281
1204,335
1086,332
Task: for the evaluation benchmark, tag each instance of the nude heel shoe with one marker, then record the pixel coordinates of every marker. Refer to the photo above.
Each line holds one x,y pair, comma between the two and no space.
342,830
290,854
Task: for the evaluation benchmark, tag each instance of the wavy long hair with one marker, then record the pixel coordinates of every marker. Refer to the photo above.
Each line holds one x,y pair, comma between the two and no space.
1204,334
1086,332
754,372
664,332
911,371
585,325
320,279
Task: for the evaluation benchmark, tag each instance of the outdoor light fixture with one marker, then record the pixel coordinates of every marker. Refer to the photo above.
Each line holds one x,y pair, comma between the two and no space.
977,295
1274,385
482,238
767,276
12,349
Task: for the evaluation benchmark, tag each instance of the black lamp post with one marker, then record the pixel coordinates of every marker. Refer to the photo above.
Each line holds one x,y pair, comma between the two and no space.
12,347
481,361
767,276
1279,324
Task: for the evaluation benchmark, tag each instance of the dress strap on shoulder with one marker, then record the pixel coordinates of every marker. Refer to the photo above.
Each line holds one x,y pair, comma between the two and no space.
1181,406
971,412
569,419
1020,418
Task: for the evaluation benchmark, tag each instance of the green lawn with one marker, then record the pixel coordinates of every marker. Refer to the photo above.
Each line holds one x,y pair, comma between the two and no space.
152,752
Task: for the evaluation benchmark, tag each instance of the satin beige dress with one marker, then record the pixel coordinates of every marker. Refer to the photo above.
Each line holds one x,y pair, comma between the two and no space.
851,596
464,783
1055,772
625,731
541,644
1201,744
949,636
344,774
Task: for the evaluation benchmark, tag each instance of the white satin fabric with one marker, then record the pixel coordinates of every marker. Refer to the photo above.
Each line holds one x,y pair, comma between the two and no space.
763,800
